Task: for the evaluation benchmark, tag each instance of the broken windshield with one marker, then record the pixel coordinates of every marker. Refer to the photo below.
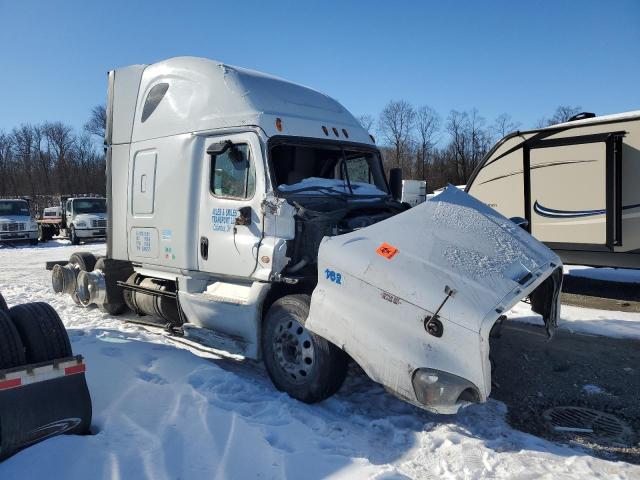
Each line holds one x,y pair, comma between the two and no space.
14,207
327,170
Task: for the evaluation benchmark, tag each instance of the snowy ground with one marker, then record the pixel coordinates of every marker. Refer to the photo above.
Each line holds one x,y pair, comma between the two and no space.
162,412
625,275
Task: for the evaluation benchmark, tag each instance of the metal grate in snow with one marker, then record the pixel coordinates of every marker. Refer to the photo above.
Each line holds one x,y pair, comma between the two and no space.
588,423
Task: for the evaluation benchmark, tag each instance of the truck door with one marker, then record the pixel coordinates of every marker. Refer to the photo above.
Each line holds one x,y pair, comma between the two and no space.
232,189
575,190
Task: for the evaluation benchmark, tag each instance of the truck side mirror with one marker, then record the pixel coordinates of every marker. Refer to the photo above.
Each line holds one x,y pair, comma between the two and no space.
219,148
395,183
244,216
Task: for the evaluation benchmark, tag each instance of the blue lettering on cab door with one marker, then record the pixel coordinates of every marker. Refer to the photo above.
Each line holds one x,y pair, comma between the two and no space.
223,219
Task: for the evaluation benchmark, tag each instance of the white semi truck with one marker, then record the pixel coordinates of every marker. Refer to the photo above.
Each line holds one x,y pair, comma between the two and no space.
16,222
252,215
77,218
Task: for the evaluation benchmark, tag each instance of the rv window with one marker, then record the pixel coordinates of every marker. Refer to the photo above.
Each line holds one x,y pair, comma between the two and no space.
156,94
233,173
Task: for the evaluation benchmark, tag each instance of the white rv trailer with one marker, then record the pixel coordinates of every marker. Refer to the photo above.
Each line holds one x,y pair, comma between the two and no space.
577,185
252,216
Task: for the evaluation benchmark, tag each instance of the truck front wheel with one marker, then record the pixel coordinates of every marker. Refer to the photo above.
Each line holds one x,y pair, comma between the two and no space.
74,237
299,362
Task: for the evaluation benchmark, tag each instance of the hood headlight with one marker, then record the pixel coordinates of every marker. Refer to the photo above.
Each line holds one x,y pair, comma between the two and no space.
81,224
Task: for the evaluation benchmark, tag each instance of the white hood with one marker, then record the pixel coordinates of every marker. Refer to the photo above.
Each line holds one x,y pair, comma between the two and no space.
376,310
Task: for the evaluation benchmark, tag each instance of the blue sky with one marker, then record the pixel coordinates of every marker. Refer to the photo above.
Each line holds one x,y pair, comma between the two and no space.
522,58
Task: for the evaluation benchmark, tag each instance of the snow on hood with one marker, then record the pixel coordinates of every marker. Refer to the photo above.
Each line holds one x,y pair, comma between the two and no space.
450,240
316,184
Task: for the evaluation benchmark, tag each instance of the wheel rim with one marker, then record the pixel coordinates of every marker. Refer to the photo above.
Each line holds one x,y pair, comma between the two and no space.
293,349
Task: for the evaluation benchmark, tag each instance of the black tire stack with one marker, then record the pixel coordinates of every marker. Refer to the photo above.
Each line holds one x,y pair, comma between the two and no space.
31,333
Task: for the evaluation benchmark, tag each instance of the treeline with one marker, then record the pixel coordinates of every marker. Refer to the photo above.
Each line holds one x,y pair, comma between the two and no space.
49,159
441,150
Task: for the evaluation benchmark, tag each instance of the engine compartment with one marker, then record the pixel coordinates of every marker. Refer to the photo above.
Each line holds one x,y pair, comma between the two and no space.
316,218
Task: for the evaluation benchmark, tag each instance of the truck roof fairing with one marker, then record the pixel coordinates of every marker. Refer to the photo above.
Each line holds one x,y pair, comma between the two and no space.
203,95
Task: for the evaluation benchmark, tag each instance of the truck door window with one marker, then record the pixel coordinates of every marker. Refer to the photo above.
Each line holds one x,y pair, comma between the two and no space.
233,173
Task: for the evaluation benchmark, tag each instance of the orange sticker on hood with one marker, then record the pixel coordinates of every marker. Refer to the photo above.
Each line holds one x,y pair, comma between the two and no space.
387,251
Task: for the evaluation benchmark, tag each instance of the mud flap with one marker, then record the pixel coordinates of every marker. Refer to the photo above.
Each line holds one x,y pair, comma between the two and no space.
34,412
545,300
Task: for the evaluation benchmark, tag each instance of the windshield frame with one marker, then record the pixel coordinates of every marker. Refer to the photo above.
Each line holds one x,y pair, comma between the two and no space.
322,143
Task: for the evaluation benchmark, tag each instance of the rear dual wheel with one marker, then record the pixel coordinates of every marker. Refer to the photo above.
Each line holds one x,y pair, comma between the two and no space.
300,363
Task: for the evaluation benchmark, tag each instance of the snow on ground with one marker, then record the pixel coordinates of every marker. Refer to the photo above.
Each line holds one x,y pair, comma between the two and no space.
585,320
162,412
625,275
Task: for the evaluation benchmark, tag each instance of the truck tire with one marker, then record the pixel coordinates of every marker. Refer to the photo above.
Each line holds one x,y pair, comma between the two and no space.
45,233
112,308
85,260
74,238
11,347
33,241
42,332
300,363
3,304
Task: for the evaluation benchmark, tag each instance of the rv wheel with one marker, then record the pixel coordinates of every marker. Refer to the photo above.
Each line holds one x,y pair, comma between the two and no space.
299,362
11,348
42,332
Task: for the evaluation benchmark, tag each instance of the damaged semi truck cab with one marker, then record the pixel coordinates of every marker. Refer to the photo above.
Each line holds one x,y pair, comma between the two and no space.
252,216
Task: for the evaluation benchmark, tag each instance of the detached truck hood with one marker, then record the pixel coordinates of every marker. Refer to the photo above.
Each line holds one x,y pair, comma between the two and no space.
378,287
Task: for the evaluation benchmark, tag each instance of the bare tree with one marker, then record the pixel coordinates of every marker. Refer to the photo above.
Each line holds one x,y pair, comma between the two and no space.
563,114
427,127
396,124
470,141
60,139
97,123
367,122
503,125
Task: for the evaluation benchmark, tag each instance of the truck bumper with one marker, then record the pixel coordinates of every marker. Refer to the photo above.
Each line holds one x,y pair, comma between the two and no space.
18,236
91,233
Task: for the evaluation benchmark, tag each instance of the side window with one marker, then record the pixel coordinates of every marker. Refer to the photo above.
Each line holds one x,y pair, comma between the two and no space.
233,173
69,206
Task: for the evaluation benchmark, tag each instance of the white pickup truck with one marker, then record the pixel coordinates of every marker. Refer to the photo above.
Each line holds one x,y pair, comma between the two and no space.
16,222
253,216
